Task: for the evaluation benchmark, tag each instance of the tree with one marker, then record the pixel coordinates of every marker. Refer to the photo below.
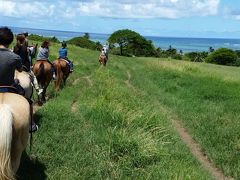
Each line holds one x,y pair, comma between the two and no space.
132,42
222,56
86,35
211,49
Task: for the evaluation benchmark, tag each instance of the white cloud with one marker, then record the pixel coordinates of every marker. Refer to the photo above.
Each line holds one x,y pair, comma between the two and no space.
232,13
26,9
110,8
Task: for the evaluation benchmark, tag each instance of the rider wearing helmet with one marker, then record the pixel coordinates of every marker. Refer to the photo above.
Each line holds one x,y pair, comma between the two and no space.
63,55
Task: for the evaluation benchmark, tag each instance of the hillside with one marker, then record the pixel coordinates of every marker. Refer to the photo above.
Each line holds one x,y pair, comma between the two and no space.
119,122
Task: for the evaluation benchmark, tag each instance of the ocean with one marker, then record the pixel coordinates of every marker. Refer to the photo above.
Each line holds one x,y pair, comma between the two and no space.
180,43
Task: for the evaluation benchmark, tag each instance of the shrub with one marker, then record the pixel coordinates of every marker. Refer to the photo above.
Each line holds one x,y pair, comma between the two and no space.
196,56
222,56
35,37
84,43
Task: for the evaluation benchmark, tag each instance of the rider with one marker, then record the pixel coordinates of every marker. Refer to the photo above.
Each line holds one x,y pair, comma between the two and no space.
9,62
105,49
63,54
43,55
21,50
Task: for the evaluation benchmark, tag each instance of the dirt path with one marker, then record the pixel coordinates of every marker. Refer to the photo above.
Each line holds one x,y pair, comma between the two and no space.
88,78
76,81
74,106
197,152
127,82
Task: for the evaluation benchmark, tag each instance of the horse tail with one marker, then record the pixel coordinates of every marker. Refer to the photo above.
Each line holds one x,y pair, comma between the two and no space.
41,70
6,123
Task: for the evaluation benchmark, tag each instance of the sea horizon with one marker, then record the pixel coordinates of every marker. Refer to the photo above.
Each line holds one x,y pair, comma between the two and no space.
186,44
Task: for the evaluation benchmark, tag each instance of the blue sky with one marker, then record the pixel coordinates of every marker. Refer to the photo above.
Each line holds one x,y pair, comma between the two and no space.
169,18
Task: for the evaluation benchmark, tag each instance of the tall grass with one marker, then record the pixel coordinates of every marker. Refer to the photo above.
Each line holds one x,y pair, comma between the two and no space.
117,131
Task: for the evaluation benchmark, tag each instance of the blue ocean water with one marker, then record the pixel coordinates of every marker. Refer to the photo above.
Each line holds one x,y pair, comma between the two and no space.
184,44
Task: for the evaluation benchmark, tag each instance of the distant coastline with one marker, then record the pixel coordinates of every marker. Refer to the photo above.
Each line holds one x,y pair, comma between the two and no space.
180,43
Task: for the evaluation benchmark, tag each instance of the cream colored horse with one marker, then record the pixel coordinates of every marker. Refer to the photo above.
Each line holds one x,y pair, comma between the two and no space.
25,81
14,131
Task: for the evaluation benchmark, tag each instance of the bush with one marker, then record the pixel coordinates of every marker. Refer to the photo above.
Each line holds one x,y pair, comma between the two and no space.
222,56
35,37
196,56
85,43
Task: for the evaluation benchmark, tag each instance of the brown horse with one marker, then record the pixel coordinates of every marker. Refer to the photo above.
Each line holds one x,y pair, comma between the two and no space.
62,72
14,132
43,72
102,59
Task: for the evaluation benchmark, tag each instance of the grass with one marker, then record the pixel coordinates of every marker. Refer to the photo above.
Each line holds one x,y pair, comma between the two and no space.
121,123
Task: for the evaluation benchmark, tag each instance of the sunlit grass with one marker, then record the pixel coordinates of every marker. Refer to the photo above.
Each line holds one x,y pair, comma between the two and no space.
122,132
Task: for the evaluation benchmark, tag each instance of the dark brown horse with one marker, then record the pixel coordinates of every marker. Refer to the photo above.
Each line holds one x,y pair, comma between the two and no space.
62,72
43,72
102,59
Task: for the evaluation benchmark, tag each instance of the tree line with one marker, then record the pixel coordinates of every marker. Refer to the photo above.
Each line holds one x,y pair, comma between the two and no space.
126,42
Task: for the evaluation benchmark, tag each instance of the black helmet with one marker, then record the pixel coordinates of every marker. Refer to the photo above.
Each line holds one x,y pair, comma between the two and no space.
64,44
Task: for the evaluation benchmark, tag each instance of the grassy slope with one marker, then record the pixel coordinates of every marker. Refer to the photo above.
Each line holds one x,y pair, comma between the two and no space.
121,131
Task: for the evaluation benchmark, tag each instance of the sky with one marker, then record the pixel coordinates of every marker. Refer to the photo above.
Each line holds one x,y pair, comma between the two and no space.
166,18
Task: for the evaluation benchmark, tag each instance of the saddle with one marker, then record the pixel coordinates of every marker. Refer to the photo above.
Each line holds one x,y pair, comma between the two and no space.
8,89
66,60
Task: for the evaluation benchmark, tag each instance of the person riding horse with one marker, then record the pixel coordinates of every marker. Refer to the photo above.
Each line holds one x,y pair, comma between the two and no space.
8,64
105,49
15,111
21,49
43,55
63,55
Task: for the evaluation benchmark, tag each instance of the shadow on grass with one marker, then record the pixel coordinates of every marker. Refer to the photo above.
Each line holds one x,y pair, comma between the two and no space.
37,118
31,169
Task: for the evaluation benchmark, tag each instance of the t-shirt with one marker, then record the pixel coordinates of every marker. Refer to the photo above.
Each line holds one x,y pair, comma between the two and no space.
43,54
22,51
9,62
62,53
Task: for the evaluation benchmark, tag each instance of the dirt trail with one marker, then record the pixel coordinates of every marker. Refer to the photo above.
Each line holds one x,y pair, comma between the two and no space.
74,106
88,78
127,82
76,81
197,152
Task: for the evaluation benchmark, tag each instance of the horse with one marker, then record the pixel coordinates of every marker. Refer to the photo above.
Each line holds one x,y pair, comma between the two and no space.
103,59
62,72
43,72
25,82
14,131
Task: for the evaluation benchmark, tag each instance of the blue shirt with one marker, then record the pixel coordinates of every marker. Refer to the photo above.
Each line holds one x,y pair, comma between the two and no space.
62,53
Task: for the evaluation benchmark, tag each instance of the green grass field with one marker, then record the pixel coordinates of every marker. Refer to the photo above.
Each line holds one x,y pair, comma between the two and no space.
116,122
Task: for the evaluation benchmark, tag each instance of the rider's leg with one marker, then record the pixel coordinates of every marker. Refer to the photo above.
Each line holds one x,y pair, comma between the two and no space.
53,71
70,64
19,88
35,82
